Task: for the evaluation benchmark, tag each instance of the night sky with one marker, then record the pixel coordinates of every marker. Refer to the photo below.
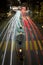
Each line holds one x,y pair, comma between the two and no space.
5,4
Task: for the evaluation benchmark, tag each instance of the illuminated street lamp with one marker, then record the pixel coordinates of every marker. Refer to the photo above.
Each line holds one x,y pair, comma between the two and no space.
10,7
20,50
19,1
42,26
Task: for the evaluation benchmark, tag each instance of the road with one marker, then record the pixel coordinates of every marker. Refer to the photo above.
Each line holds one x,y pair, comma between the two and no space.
20,34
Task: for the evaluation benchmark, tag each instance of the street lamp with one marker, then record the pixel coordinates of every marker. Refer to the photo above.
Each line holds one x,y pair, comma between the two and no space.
42,26
19,1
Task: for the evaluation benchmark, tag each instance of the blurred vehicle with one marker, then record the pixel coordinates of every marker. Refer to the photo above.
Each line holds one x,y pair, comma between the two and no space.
14,8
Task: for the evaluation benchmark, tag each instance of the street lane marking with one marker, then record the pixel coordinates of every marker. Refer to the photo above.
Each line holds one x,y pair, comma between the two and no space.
35,44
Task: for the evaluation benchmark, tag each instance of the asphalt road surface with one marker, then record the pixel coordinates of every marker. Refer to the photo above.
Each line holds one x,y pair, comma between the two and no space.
22,43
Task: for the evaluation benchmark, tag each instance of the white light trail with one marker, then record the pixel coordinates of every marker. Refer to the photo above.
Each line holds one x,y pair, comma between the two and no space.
13,34
7,40
10,32
7,25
